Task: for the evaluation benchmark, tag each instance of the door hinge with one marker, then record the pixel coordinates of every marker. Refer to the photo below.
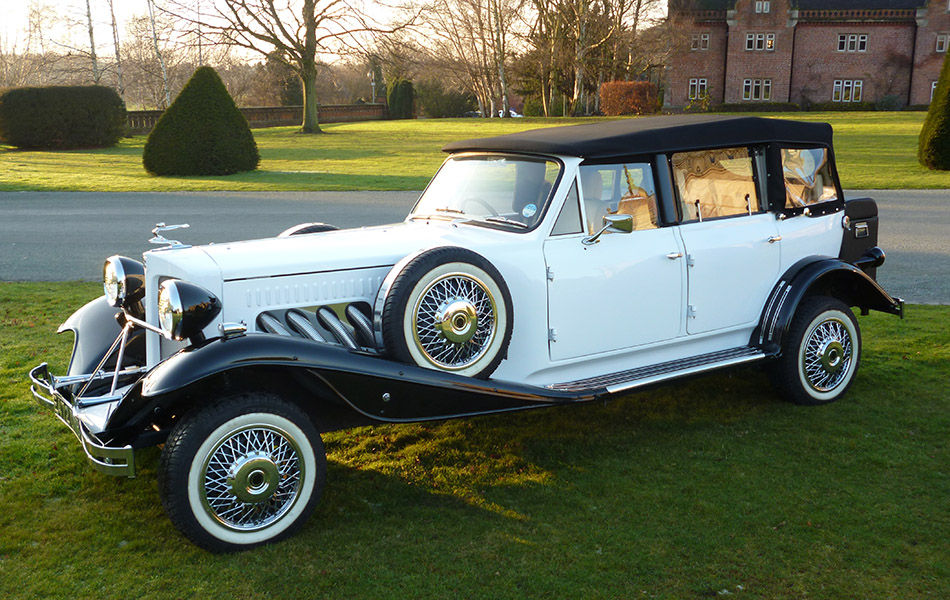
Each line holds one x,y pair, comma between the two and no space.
691,311
550,274
690,260
552,335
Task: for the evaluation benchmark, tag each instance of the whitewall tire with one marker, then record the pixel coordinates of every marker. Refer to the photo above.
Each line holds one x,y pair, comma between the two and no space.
245,471
448,309
821,353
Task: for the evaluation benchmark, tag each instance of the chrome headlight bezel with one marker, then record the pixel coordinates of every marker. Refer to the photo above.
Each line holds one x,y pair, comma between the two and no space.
123,281
185,309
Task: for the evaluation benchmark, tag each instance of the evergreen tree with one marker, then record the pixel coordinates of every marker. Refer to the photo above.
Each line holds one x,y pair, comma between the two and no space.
201,133
933,150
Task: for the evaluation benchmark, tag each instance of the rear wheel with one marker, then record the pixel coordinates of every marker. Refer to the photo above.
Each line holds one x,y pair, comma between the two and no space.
821,353
245,471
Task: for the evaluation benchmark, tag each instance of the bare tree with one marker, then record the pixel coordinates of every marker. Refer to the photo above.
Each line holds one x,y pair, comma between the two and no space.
118,54
96,74
158,54
296,32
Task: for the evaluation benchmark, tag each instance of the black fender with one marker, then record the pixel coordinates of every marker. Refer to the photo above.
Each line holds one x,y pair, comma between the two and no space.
819,277
378,389
95,329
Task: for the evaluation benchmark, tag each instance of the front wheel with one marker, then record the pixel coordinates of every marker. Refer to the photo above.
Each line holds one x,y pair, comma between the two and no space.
821,354
245,471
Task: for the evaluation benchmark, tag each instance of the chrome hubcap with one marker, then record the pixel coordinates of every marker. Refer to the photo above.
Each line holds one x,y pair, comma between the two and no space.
455,321
827,355
252,477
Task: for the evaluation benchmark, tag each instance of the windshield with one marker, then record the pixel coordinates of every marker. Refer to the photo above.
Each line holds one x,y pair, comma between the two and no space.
504,191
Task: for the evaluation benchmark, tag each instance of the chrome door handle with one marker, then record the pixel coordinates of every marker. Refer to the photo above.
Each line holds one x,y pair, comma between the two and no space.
674,255
774,238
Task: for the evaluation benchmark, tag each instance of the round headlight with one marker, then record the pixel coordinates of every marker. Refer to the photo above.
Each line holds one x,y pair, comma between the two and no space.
123,281
185,309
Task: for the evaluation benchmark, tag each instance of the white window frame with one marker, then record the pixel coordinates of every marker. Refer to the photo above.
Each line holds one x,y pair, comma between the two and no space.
933,89
704,41
757,90
852,42
943,41
847,90
770,42
697,88
763,6
750,41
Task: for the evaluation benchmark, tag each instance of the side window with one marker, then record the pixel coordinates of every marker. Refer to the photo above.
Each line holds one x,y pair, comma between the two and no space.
807,177
569,221
619,189
715,183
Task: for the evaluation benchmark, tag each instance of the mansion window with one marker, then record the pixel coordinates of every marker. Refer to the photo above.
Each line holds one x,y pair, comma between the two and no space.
700,41
933,89
760,41
757,89
847,90
852,42
763,6
697,88
943,40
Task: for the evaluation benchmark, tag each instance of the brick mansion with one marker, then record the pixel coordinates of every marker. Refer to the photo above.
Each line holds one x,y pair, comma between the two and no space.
807,51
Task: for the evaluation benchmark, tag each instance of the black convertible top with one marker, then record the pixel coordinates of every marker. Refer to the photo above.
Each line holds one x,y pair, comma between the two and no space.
649,135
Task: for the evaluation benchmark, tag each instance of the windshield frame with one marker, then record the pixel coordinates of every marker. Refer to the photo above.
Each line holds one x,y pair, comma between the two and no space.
482,222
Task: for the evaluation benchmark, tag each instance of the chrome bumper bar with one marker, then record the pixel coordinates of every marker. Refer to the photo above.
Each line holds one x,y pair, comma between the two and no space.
110,460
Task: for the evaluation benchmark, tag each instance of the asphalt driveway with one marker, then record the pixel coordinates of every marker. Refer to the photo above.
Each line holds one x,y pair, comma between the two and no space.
61,236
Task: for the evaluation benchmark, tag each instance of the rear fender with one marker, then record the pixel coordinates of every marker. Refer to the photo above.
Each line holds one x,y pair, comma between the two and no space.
822,277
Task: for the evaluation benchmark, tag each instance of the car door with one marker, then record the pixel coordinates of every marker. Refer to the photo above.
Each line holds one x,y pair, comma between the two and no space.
625,289
733,250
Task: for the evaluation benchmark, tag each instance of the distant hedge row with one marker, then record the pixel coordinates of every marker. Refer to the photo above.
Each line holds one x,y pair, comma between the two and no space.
628,98
61,117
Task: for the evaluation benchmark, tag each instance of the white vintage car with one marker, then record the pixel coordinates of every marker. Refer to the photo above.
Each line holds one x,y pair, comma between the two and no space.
548,267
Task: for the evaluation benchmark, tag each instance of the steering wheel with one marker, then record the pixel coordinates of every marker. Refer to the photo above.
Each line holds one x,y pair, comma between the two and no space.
480,202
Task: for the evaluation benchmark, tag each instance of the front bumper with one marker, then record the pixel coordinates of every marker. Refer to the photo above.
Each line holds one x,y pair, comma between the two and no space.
111,460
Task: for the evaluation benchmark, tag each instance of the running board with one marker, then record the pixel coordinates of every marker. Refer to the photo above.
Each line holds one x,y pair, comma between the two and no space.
634,378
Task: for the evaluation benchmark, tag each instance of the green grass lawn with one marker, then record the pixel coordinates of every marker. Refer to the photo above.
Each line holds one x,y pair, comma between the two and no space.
874,150
701,489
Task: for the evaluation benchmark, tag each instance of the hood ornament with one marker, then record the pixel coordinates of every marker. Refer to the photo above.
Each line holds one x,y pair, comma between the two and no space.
161,239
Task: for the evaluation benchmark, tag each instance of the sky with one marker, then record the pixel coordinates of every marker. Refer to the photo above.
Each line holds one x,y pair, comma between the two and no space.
13,16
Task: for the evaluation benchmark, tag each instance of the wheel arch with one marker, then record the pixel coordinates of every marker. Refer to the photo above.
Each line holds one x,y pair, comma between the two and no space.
830,277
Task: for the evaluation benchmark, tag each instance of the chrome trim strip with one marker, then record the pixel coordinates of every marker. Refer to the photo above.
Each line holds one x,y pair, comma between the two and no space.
778,311
631,378
119,461
695,370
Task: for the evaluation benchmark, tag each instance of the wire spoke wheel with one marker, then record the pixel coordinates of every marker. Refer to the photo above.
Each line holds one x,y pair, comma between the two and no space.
252,478
243,471
826,355
820,353
447,309
455,321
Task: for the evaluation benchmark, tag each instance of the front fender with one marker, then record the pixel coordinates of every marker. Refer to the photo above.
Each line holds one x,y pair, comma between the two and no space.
822,277
377,388
95,329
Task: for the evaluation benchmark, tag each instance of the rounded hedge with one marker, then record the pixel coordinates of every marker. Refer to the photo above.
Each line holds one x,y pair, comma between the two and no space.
60,117
201,133
933,148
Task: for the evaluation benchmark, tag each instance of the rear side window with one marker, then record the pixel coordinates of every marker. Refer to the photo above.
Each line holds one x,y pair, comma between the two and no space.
715,183
807,175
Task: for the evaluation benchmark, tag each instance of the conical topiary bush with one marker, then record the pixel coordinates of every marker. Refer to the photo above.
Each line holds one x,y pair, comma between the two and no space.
933,149
201,133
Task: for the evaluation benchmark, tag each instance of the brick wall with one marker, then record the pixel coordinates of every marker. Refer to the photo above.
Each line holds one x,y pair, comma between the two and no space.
772,65
883,67
142,121
927,61
898,59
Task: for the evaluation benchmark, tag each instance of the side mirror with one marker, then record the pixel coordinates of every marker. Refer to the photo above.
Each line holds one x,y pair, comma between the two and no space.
613,224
